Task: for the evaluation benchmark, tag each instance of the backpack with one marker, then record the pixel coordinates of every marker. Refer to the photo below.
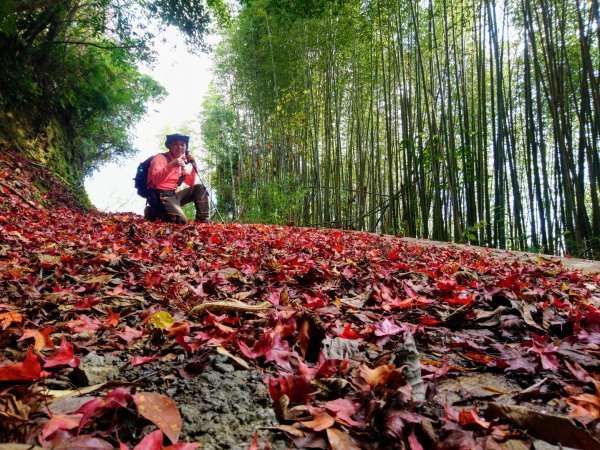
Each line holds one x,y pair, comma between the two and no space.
141,176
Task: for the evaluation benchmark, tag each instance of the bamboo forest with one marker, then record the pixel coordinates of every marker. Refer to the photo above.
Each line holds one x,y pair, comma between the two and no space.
473,121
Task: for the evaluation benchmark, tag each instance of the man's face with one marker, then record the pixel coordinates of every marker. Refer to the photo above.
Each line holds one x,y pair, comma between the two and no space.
177,148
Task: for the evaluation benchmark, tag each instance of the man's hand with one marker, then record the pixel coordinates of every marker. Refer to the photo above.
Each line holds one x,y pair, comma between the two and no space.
191,159
178,162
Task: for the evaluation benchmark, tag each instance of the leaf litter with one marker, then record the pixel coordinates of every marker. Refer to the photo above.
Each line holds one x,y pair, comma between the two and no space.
119,332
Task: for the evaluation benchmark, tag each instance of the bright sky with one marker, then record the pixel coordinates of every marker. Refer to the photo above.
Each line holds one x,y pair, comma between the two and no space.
186,78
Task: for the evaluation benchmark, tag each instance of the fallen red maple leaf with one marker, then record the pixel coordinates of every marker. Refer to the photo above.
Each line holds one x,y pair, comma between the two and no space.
188,343
254,443
546,352
470,417
446,285
64,440
279,352
298,389
344,409
61,422
413,442
349,333
179,328
83,323
29,369
65,356
152,441
129,334
112,319
387,328
136,361
152,279
96,407
41,338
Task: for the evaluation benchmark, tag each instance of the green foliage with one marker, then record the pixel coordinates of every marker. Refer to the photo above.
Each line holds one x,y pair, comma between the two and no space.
190,211
220,137
74,66
470,235
277,202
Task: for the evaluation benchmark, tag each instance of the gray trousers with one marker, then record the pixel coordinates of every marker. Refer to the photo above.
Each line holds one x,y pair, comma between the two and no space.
167,205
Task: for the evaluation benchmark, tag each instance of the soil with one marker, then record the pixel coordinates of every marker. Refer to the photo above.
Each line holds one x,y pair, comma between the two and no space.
222,405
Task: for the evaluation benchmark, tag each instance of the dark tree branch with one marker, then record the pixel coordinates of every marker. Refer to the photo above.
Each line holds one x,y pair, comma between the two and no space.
93,44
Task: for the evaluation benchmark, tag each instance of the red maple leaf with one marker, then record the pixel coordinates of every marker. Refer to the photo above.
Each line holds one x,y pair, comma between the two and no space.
190,345
546,352
344,409
179,328
279,352
112,320
261,347
387,328
60,422
297,388
129,334
65,356
83,323
138,360
446,285
348,333
28,369
96,407
41,337
152,441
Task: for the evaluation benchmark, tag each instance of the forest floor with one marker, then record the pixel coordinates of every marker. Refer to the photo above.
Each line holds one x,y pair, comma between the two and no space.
117,332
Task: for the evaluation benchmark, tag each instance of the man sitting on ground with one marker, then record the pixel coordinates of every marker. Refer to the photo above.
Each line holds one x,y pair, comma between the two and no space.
167,171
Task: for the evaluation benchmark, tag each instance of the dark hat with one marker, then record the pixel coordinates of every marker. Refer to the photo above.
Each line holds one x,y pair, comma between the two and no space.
177,137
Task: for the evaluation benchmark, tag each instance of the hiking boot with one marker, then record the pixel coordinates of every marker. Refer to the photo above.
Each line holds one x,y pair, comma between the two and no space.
149,214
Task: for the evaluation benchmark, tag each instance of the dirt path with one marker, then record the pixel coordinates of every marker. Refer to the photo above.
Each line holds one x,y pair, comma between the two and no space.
584,265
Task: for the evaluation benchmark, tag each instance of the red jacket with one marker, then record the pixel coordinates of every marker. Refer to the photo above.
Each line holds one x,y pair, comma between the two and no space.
165,177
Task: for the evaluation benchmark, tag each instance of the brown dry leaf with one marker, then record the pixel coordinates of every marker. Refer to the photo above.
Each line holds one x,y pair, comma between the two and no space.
288,429
586,408
526,314
377,376
49,260
240,361
9,317
496,390
548,427
489,318
242,295
14,417
304,337
101,279
228,307
339,440
19,447
321,421
284,298
161,411
12,408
